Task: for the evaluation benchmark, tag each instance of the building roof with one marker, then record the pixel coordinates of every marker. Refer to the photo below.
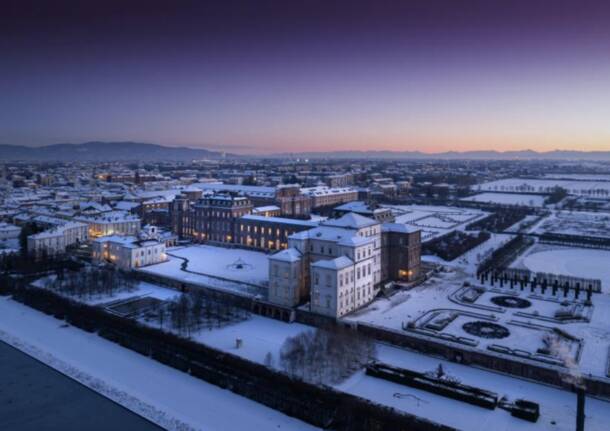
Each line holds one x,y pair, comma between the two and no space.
282,220
288,255
398,227
266,208
356,240
340,262
351,221
324,190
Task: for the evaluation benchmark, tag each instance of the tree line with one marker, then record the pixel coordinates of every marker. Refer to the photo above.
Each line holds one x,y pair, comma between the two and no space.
325,356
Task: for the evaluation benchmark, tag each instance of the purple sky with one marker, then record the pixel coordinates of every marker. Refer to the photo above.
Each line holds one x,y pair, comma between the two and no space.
256,76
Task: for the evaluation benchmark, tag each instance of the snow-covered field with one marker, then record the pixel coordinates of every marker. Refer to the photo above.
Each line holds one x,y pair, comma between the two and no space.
577,223
570,261
219,267
600,189
168,397
435,220
508,199
589,177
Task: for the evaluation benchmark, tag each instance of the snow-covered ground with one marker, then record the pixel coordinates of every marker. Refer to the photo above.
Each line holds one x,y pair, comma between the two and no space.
435,220
576,223
219,267
259,335
570,261
589,177
508,199
168,397
599,189
557,407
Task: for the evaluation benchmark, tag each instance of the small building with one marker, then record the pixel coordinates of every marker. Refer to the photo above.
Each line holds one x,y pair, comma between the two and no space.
112,223
128,252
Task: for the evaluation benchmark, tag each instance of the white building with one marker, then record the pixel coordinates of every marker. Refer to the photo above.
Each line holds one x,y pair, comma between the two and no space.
112,223
322,196
57,239
128,252
338,263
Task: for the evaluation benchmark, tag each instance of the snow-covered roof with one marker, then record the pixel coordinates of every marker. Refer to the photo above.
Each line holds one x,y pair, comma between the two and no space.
340,262
356,241
288,255
398,227
259,191
324,190
266,208
307,223
126,205
351,220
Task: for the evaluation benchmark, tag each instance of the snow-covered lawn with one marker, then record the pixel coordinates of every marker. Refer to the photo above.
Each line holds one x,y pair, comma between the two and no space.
570,261
259,335
230,263
508,199
168,397
576,223
598,189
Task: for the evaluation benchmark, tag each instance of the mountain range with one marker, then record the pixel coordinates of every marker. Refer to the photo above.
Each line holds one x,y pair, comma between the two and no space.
560,155
105,151
138,151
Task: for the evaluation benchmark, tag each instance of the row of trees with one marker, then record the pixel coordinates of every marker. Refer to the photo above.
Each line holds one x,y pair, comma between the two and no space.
24,264
196,310
91,282
500,220
325,356
454,244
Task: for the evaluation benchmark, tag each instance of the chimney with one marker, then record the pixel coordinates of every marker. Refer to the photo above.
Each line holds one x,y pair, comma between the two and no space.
580,409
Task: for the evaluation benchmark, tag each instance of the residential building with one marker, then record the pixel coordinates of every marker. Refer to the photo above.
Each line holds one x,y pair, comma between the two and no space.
268,233
112,223
215,216
128,252
322,196
55,240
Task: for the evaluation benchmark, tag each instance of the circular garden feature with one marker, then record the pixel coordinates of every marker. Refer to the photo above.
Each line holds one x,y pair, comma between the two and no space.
483,329
511,302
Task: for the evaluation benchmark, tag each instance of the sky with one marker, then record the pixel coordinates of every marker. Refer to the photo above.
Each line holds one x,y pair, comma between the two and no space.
292,76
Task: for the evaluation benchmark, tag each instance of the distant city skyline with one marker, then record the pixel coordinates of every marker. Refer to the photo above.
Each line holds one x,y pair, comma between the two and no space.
270,77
